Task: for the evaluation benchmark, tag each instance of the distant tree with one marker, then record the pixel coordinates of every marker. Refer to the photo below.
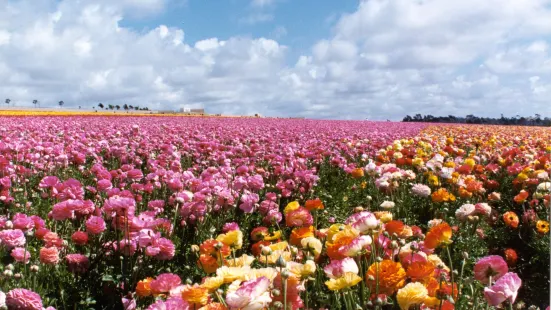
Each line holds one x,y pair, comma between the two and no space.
136,108
8,101
130,107
118,107
100,105
111,107
125,107
61,103
35,102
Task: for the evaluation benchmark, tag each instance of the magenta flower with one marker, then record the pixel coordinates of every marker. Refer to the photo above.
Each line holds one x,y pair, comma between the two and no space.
21,298
95,225
299,217
493,265
252,294
504,289
11,238
20,255
164,283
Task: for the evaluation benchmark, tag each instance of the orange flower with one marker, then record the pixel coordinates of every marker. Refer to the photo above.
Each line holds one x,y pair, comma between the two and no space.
521,197
195,295
394,227
420,271
210,247
357,173
390,275
511,219
208,263
314,204
542,227
437,235
463,193
511,257
442,195
214,306
256,248
143,289
300,233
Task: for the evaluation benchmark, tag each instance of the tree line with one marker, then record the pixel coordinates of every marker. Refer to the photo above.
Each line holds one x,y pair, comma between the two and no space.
517,120
125,107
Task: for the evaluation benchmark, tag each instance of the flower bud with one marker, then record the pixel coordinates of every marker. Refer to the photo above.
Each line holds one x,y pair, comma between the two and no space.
10,267
465,255
35,268
379,259
195,248
18,276
278,304
266,250
280,262
285,274
8,273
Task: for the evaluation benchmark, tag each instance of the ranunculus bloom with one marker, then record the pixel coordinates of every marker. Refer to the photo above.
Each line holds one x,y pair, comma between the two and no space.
195,295
252,294
11,238
95,225
440,234
21,298
411,294
492,265
164,283
143,288
80,237
299,217
390,276
77,263
20,255
506,288
49,256
338,267
511,219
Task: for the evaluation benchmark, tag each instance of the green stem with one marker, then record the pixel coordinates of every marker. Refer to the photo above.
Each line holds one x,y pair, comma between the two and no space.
451,266
284,294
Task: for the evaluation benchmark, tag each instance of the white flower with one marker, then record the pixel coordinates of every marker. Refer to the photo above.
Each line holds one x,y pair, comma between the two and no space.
387,204
544,187
2,300
464,211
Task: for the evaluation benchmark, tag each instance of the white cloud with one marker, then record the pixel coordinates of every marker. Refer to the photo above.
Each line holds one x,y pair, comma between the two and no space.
262,3
387,59
256,18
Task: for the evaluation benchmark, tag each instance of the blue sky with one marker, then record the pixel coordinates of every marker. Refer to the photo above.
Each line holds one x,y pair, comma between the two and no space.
324,59
298,24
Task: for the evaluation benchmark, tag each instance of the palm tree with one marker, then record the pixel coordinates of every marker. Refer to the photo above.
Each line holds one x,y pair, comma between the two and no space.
8,101
131,107
111,107
100,105
118,107
136,108
125,106
61,103
35,102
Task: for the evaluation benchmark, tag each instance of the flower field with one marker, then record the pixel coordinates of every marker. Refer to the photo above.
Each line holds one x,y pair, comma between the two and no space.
233,213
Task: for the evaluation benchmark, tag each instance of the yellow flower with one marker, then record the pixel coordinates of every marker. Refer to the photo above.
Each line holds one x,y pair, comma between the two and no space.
230,274
291,206
280,246
244,260
267,272
196,294
212,283
470,162
411,294
383,216
522,177
275,236
433,180
437,261
349,279
273,257
312,244
417,161
542,227
302,270
233,239
449,164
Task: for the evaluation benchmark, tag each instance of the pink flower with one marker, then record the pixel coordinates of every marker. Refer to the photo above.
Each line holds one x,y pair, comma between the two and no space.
364,221
164,283
11,238
299,217
356,246
505,288
493,265
252,294
80,237
172,303
23,299
23,222
20,255
95,225
77,263
337,268
49,256
230,226
483,208
167,249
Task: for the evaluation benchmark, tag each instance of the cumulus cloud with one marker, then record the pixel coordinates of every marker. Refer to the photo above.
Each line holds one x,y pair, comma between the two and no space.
386,59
